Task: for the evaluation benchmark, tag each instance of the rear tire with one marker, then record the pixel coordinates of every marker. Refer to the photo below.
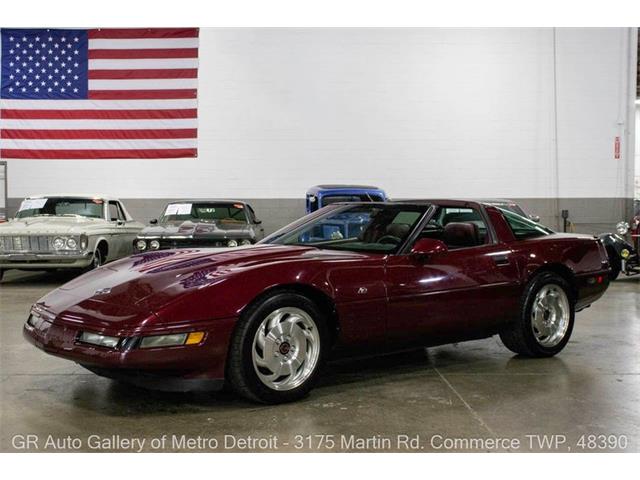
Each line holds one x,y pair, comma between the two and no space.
545,320
277,349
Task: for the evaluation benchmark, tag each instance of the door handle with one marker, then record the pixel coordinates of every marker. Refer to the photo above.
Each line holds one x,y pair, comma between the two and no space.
501,260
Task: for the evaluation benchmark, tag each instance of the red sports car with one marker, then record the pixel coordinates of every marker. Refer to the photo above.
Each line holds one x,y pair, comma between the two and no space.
265,318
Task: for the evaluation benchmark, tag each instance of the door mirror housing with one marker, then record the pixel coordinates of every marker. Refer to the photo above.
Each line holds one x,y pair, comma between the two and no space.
257,222
534,218
153,221
426,247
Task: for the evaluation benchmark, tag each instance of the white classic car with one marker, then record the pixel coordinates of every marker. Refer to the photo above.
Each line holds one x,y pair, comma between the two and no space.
53,232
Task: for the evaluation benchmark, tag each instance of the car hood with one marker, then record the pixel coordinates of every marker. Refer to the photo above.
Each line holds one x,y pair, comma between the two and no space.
50,225
192,229
144,283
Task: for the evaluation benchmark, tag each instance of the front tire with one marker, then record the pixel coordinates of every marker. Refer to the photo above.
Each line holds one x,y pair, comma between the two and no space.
546,318
97,260
277,349
614,263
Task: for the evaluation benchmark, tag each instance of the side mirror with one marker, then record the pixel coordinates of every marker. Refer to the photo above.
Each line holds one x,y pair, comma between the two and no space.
154,221
258,222
534,218
426,247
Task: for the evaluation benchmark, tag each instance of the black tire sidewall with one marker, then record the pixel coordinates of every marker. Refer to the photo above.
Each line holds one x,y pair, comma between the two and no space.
615,263
249,324
532,290
97,254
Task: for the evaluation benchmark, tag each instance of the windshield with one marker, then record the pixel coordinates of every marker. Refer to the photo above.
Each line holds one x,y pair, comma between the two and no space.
83,207
341,198
367,228
204,212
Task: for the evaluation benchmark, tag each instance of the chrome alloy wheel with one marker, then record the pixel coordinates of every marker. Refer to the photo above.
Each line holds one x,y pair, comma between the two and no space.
550,315
286,348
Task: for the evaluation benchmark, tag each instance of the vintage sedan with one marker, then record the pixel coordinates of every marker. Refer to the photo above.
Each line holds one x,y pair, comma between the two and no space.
53,232
266,318
201,223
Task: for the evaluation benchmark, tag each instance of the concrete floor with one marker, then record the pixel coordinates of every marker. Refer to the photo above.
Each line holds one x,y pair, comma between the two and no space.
469,391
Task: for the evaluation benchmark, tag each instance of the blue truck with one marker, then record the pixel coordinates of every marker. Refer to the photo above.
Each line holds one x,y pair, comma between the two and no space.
347,225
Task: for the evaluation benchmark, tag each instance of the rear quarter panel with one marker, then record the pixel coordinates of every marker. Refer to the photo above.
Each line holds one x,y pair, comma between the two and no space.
581,257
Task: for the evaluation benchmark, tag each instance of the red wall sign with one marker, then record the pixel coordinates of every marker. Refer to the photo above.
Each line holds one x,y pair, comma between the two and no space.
616,148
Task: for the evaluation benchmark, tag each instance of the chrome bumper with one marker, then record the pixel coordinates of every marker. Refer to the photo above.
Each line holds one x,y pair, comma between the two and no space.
42,261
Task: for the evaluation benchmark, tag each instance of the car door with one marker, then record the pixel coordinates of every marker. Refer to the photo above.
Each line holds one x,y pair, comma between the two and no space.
124,231
463,291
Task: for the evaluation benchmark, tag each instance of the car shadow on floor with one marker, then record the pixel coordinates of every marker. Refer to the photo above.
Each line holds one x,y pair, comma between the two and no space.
119,399
53,279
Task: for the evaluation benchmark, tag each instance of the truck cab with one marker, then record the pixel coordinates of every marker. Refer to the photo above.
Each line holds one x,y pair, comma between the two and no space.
322,195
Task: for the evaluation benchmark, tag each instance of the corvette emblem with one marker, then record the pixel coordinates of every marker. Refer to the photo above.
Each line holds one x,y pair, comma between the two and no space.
102,291
362,290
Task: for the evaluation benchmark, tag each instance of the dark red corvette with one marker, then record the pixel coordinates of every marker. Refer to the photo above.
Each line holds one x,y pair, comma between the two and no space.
265,318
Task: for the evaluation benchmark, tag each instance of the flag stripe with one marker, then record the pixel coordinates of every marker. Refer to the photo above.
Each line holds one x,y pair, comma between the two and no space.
98,104
99,124
140,94
144,84
98,154
143,33
144,53
98,134
148,73
127,43
142,63
93,144
98,114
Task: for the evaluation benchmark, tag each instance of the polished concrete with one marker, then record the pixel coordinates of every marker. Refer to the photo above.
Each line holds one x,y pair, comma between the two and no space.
470,392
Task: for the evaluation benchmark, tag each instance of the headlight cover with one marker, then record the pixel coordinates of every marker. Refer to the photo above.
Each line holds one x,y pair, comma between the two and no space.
99,340
173,340
622,228
246,241
72,243
232,243
154,244
141,245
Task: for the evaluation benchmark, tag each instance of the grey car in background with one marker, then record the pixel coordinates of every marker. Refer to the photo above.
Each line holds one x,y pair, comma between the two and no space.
200,224
52,232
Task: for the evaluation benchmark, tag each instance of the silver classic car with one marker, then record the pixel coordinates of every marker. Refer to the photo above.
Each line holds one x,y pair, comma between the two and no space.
66,232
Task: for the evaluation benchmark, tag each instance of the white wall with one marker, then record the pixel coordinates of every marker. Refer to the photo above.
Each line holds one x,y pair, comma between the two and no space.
422,112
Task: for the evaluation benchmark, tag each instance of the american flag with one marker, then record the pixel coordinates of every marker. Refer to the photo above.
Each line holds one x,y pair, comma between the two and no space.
99,94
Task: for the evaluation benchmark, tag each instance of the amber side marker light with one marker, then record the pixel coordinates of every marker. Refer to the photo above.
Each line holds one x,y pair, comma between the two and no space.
194,338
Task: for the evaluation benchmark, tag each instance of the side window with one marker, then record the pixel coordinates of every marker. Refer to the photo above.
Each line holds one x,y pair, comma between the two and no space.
252,214
115,212
457,227
523,227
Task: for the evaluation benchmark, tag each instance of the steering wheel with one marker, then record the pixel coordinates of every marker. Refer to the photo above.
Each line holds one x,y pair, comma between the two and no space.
389,239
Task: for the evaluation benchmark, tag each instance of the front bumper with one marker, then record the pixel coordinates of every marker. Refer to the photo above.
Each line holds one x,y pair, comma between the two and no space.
44,261
179,368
